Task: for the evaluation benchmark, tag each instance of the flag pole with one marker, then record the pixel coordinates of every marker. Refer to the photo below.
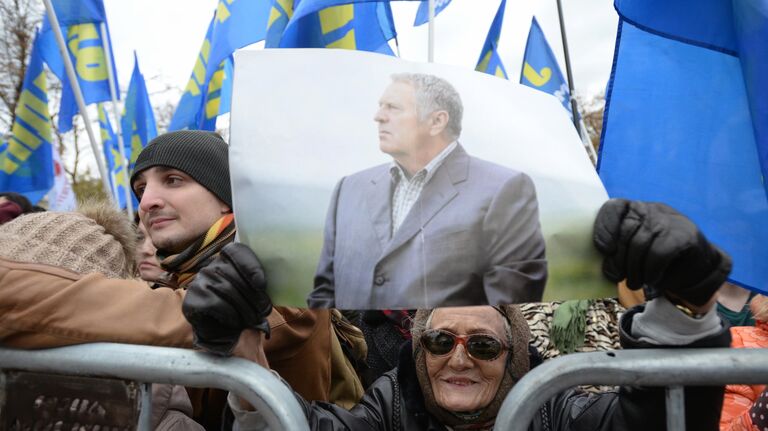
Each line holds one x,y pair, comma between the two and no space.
78,95
431,41
113,93
574,108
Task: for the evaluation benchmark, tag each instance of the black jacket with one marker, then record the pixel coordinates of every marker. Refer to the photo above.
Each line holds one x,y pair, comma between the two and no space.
395,402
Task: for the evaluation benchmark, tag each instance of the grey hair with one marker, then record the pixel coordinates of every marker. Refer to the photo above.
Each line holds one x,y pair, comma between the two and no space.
435,94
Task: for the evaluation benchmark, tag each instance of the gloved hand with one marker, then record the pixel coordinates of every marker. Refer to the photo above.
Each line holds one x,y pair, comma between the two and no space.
227,296
658,249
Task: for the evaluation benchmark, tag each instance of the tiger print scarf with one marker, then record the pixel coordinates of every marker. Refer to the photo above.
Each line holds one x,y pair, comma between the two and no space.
183,267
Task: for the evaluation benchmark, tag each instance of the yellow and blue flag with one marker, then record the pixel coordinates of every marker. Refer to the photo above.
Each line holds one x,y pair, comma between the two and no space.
365,26
489,61
138,121
540,69
422,14
235,24
26,158
115,165
81,26
686,120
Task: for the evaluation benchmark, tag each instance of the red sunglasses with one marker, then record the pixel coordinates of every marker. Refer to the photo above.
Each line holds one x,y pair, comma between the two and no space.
484,347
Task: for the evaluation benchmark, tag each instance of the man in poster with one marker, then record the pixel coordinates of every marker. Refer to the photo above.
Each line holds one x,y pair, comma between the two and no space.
434,228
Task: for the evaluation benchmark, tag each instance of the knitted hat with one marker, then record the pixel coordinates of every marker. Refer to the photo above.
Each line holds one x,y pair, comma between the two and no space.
199,154
96,239
518,363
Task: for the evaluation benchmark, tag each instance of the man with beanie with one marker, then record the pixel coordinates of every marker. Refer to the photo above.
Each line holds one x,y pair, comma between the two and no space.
96,238
182,181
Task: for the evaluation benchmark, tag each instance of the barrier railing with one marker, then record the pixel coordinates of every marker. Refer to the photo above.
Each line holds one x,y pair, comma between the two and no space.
167,365
673,368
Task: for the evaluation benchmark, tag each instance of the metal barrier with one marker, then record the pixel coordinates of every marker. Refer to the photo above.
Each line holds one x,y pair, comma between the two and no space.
148,364
673,368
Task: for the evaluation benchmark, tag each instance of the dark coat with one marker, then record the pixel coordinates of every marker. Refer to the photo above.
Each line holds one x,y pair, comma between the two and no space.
395,402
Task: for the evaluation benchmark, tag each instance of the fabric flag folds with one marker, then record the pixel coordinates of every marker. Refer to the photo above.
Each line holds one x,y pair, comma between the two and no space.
81,27
365,26
422,14
489,61
235,24
138,121
26,158
686,119
115,165
540,68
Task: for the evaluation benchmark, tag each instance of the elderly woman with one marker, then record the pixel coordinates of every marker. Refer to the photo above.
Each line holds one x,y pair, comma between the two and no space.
463,361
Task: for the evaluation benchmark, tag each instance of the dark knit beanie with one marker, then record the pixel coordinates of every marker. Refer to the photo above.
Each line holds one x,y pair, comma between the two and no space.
201,155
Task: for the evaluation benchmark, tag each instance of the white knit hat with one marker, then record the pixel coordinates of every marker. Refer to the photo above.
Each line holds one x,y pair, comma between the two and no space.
98,238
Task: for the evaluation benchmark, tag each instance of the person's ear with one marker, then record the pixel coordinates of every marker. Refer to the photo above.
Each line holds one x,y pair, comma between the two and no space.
439,121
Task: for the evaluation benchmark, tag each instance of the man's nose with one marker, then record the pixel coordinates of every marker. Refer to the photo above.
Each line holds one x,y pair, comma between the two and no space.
379,116
150,199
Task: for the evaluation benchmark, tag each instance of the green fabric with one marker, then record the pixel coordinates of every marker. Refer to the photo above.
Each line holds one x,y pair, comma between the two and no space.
569,323
742,317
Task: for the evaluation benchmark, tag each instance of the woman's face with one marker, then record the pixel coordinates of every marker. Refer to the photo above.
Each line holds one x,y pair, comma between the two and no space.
146,261
459,382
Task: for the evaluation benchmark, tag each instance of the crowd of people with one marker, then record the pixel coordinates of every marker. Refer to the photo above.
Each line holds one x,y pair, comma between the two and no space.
177,278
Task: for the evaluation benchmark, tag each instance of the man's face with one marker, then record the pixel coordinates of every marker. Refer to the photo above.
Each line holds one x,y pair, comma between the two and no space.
401,134
175,209
460,382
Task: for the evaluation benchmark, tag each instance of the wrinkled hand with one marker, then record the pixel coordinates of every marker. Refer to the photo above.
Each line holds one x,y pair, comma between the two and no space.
226,297
658,249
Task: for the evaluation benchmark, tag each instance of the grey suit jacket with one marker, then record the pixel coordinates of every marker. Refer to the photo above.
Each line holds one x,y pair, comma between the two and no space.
471,238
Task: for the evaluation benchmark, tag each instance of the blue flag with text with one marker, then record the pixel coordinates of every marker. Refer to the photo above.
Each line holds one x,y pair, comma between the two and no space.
489,61
26,158
115,165
365,26
81,27
540,68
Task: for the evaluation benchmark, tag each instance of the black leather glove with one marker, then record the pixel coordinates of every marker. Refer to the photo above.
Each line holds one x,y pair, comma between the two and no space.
227,295
658,249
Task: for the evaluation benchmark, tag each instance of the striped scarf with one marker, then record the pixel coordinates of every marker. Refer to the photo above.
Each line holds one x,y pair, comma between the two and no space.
183,267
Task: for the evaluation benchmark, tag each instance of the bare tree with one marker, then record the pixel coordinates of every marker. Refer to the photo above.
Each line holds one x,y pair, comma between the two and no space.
18,20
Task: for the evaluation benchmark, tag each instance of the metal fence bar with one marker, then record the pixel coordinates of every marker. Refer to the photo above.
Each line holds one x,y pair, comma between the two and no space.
145,417
675,408
259,386
641,367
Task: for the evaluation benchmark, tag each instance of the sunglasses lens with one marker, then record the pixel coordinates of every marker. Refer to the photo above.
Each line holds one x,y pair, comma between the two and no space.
484,347
438,342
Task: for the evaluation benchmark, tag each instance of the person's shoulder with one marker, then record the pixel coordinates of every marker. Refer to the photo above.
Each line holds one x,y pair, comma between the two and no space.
372,171
366,176
494,173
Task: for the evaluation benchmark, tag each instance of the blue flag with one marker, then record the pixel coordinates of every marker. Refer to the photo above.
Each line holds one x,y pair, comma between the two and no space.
685,120
540,69
79,11
115,165
365,26
81,27
235,24
188,112
489,61
26,159
138,121
422,15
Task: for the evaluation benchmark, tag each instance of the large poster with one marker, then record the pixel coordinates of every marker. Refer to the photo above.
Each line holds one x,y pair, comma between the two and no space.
364,181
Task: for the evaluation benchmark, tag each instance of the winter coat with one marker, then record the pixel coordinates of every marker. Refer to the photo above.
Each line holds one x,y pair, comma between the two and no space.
395,402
